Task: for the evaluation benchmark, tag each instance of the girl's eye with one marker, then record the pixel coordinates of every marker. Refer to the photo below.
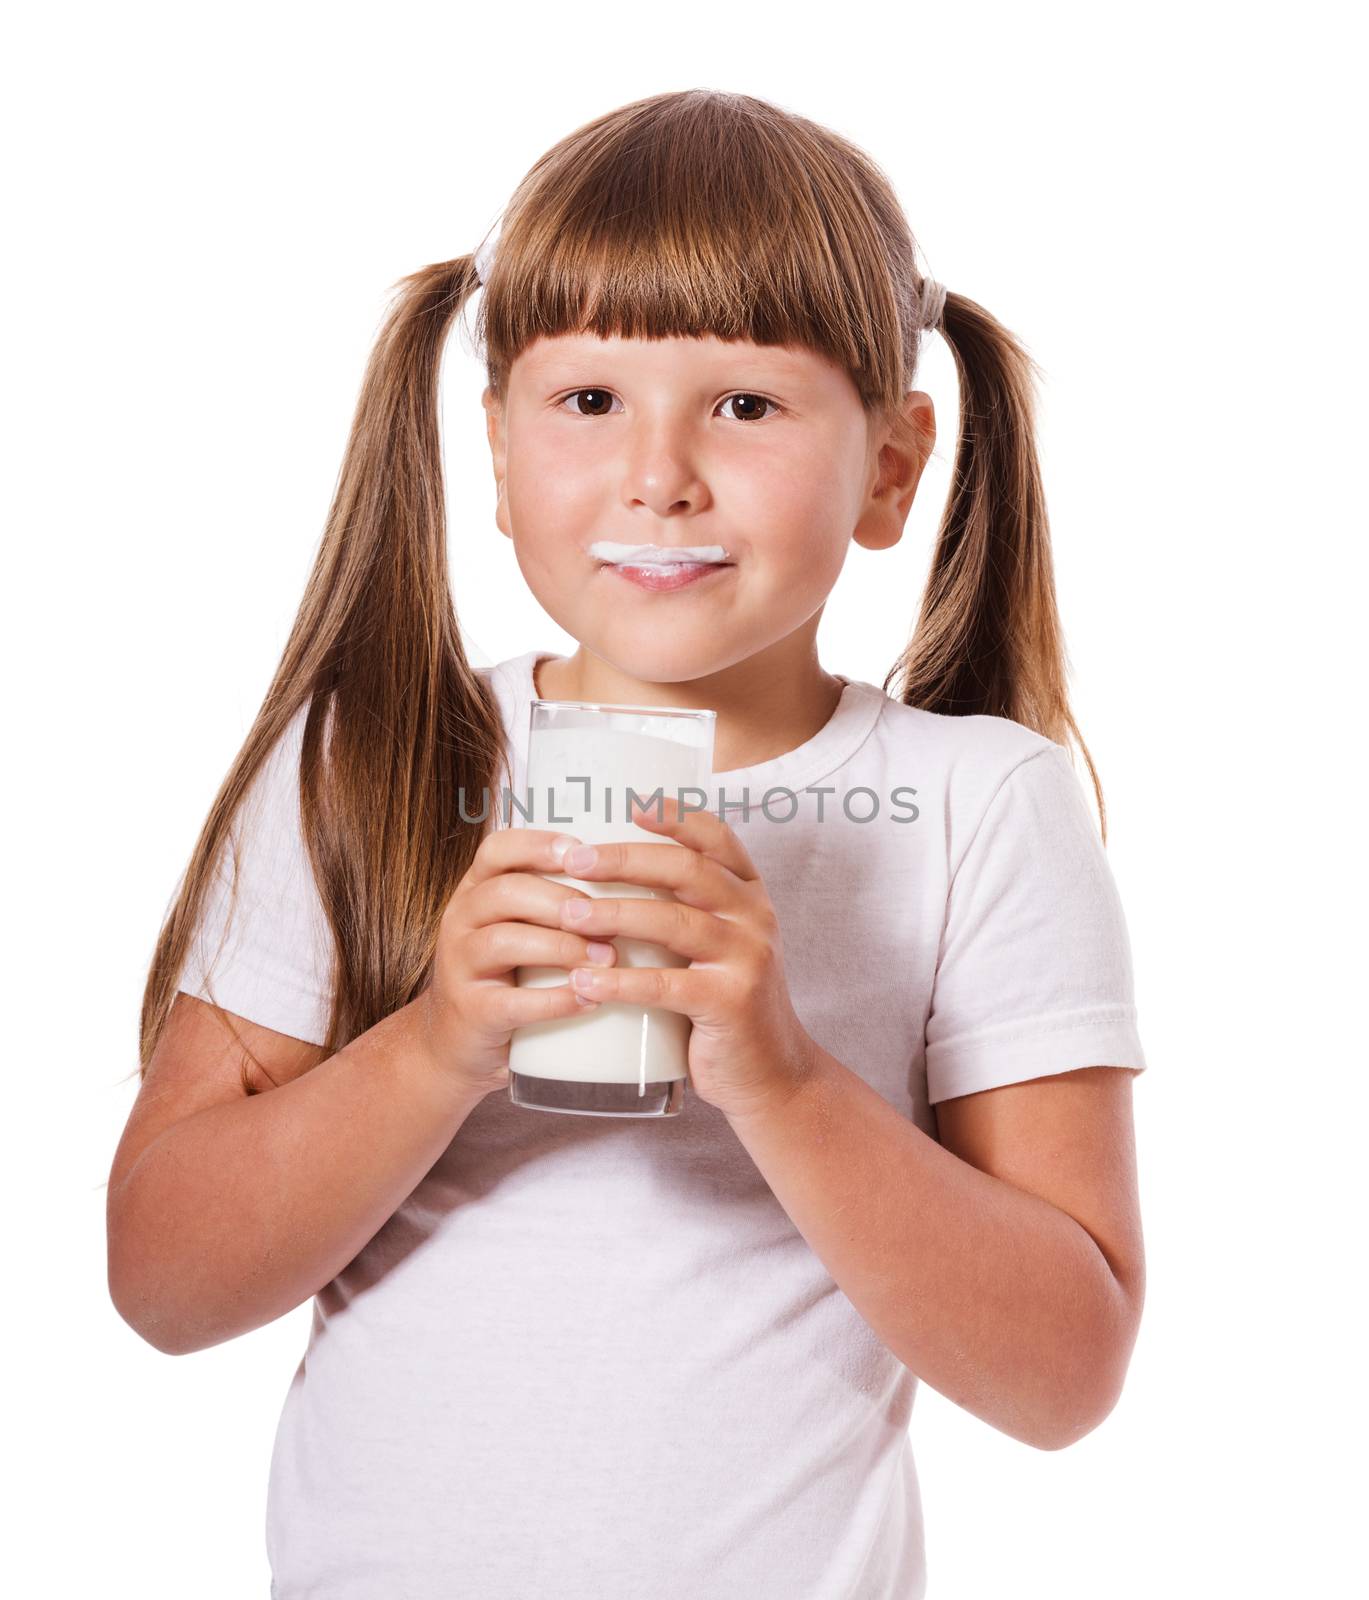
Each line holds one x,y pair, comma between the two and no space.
756,401
598,398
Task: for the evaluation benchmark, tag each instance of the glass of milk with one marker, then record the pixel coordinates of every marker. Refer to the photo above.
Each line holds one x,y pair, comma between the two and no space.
586,762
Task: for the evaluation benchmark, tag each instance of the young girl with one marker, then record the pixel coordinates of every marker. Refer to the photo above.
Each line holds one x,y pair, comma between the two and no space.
588,1357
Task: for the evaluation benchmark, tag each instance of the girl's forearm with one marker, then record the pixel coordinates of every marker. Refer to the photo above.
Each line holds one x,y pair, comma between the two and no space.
242,1211
998,1299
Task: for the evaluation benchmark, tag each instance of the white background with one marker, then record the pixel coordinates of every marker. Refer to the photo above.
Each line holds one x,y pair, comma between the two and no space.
206,208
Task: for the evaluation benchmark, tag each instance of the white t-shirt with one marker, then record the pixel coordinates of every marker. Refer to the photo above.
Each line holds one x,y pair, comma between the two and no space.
594,1359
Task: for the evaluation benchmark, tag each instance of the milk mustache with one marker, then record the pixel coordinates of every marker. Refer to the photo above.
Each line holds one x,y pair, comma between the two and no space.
582,762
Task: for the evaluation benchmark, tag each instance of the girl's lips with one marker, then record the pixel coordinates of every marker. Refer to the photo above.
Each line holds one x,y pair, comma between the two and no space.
659,581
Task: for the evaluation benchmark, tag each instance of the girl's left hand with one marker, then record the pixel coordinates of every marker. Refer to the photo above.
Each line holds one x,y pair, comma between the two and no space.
747,1048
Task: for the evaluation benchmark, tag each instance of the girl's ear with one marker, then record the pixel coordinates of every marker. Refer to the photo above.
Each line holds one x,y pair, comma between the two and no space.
493,421
901,452
494,432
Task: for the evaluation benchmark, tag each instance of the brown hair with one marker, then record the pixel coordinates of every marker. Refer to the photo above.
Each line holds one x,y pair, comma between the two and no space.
689,213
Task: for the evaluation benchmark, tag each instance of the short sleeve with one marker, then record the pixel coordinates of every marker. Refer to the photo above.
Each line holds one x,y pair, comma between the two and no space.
1034,974
269,956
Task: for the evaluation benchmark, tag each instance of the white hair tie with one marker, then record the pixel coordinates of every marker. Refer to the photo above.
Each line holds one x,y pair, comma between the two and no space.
933,303
484,256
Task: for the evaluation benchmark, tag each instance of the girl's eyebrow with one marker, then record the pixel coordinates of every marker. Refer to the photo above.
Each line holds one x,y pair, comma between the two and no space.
782,366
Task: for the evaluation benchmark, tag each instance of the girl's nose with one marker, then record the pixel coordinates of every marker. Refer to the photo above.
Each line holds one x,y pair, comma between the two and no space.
661,474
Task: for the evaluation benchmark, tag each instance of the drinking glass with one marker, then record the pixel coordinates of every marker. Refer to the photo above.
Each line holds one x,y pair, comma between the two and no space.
617,1059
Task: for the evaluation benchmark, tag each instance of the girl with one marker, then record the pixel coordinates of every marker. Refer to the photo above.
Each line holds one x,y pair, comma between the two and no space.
579,1357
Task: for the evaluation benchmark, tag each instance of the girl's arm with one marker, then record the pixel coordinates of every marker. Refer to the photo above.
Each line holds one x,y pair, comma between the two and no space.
226,1209
1004,1264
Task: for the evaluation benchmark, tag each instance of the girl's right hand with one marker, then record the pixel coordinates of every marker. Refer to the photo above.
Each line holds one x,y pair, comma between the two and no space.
503,914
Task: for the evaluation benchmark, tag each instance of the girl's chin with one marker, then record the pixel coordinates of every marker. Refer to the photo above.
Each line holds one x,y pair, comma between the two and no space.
645,663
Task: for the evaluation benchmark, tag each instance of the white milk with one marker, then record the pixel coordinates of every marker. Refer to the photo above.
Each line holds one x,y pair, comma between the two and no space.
615,750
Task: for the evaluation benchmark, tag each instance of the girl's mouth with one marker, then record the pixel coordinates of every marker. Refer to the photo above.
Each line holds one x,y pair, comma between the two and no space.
661,578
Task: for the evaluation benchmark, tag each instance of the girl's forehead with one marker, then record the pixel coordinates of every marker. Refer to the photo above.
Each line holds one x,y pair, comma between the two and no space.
549,350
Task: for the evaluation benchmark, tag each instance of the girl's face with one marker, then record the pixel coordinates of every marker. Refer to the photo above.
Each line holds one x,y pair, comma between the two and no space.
764,450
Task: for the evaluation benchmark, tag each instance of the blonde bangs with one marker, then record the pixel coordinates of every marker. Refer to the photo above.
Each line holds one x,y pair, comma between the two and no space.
722,223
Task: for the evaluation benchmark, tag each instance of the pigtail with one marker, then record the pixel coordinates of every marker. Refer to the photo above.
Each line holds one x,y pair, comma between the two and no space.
988,638
400,732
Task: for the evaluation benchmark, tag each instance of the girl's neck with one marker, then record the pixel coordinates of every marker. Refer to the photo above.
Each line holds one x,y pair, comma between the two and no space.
765,707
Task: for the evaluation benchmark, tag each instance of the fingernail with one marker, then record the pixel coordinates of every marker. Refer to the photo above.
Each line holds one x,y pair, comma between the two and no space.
582,856
586,980
603,953
560,845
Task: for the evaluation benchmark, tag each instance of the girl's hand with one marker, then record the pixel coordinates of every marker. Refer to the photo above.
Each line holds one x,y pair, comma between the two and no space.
503,914
747,1048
